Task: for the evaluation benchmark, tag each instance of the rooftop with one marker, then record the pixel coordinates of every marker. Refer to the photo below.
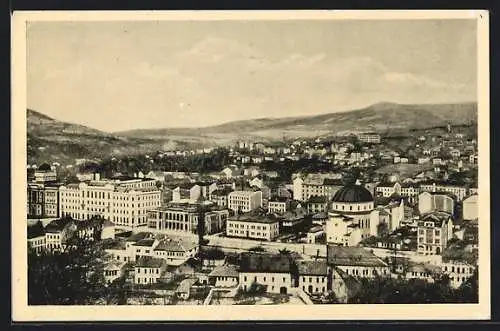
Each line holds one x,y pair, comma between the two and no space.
251,217
225,271
312,268
352,256
146,242
251,262
353,194
36,230
135,237
58,225
149,262
170,245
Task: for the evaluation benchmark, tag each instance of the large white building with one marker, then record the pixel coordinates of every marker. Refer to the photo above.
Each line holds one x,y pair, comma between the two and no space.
322,185
349,216
124,202
370,138
459,191
251,226
470,208
357,262
244,201
271,271
184,218
432,201
434,232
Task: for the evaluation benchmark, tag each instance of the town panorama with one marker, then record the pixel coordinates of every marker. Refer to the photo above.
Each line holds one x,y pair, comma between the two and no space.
252,163
304,221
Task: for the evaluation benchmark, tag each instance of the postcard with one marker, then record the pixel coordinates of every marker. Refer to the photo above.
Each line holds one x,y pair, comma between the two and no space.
250,165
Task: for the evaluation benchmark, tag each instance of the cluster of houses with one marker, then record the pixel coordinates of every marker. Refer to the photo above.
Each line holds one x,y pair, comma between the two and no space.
420,213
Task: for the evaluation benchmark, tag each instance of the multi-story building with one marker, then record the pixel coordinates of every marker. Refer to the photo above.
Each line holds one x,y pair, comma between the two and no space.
316,185
388,189
43,200
220,196
45,174
313,276
58,232
271,271
351,210
193,191
252,226
470,208
36,237
278,205
357,262
317,204
124,202
459,191
369,138
184,217
410,191
434,232
175,252
244,201
224,276
434,201
457,272
148,270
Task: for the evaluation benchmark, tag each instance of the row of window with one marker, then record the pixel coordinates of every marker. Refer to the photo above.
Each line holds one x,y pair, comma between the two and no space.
264,279
148,270
458,269
317,289
311,279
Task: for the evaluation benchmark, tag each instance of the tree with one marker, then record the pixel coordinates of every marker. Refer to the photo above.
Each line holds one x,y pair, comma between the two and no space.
72,277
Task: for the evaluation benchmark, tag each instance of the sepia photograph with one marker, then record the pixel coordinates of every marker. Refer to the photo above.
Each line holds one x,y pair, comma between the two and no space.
302,164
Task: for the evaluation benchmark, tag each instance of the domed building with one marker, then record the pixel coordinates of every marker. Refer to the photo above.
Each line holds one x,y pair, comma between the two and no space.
349,216
352,198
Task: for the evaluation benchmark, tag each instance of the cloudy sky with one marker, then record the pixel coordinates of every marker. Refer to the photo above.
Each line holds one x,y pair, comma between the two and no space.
126,75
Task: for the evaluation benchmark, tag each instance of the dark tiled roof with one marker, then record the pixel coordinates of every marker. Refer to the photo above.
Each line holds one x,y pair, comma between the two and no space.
139,236
149,262
352,256
58,225
312,268
317,199
35,230
225,271
145,242
265,263
352,194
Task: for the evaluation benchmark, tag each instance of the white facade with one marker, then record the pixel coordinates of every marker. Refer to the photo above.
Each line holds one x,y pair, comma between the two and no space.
276,207
342,230
388,190
470,208
255,229
244,201
313,283
274,282
124,204
459,191
38,244
428,202
457,272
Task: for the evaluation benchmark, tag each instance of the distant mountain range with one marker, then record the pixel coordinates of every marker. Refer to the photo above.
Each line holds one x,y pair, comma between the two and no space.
378,117
71,140
52,140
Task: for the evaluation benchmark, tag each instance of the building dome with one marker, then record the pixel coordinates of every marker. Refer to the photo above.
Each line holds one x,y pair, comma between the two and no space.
44,167
353,194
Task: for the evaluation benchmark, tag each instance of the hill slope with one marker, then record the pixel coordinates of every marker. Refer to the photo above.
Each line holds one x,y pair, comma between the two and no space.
52,140
378,117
